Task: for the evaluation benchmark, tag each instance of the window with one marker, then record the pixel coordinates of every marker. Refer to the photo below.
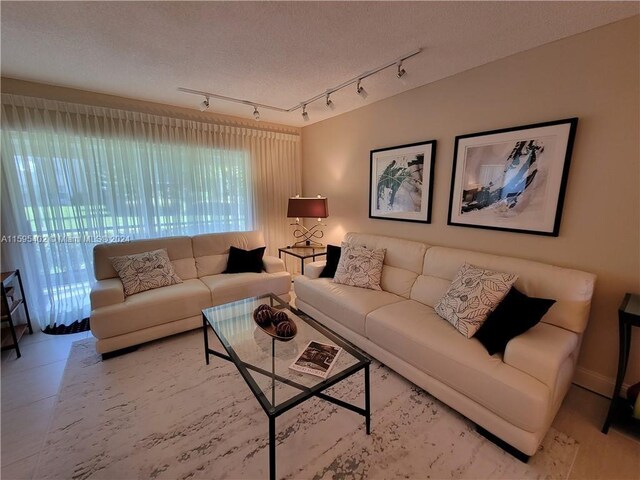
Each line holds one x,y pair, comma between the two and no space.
73,191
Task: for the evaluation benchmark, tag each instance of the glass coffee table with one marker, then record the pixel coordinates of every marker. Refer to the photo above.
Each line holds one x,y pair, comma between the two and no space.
264,361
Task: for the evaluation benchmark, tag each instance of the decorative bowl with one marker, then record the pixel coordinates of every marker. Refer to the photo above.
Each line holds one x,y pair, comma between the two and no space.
271,328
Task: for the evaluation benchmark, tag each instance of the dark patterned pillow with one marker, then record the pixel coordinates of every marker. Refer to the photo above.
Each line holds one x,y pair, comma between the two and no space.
333,257
145,271
474,293
360,267
516,314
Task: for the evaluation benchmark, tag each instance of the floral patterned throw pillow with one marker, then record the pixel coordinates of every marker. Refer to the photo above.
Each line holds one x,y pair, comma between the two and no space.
360,267
145,271
472,296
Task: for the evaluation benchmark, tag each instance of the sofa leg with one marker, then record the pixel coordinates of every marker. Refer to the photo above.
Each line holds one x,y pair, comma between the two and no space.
117,353
511,450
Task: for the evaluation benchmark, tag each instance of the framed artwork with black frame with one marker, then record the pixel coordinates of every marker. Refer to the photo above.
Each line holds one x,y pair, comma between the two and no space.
513,179
401,182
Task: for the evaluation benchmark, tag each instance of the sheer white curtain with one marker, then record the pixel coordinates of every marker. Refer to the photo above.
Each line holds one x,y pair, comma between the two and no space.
74,176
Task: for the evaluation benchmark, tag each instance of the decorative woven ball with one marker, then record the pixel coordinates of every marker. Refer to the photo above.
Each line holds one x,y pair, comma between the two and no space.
263,317
279,317
285,328
264,306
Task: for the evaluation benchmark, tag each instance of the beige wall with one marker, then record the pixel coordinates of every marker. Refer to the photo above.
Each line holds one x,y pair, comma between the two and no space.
594,76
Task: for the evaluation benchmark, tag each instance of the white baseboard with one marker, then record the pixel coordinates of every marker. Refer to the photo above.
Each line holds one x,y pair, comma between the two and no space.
596,382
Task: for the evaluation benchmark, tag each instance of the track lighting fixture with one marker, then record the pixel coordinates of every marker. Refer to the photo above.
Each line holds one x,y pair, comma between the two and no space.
205,104
303,105
361,91
329,102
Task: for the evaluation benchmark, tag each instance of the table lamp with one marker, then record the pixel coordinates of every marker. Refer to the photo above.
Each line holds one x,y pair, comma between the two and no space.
308,207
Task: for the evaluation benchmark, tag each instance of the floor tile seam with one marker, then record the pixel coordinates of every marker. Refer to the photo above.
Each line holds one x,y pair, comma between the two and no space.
28,455
35,367
24,405
51,417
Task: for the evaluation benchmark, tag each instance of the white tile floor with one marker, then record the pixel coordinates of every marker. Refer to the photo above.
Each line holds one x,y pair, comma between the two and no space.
29,387
30,384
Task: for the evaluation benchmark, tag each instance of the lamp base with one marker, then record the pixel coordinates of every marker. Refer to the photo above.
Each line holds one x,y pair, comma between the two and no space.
306,235
306,244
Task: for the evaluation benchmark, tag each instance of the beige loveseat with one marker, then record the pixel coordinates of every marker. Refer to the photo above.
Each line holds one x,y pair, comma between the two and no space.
119,322
514,396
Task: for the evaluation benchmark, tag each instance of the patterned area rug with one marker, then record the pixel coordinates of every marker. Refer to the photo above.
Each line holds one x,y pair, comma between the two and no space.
161,413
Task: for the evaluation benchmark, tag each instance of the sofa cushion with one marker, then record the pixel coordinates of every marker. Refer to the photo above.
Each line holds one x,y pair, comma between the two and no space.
415,333
360,267
516,314
145,271
474,293
230,287
151,308
241,261
345,304
332,259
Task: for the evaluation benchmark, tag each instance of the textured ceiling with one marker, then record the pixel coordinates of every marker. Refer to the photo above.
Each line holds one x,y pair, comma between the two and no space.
274,52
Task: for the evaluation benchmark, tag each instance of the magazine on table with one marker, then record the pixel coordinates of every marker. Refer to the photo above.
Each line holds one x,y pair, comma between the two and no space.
317,359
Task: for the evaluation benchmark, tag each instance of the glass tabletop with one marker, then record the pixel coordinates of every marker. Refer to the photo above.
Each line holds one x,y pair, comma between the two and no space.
264,361
304,252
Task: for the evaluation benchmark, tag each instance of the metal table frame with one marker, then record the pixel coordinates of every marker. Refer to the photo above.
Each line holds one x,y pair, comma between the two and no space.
312,253
305,392
626,320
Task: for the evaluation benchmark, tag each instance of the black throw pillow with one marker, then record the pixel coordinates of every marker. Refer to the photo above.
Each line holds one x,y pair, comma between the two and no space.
333,257
241,261
516,314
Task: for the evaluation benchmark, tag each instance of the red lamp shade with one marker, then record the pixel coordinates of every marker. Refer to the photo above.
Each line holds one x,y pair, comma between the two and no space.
308,207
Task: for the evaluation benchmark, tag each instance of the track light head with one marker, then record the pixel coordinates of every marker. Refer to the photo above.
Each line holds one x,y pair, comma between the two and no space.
401,71
305,115
361,91
256,114
205,104
329,102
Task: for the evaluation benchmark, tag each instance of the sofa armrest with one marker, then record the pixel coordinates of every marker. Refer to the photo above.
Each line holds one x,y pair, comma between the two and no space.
106,292
273,264
314,269
542,351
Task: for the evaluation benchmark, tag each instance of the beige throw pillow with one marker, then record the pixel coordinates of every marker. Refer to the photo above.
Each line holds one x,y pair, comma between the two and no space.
474,293
360,267
145,271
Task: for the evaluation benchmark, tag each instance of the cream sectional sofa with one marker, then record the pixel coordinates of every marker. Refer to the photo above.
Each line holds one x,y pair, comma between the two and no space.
514,396
119,322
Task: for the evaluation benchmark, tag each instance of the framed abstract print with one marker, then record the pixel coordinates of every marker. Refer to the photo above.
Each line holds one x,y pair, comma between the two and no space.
401,182
512,179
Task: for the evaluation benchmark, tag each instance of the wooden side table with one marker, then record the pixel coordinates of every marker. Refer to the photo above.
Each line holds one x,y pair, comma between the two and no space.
10,304
628,316
303,253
